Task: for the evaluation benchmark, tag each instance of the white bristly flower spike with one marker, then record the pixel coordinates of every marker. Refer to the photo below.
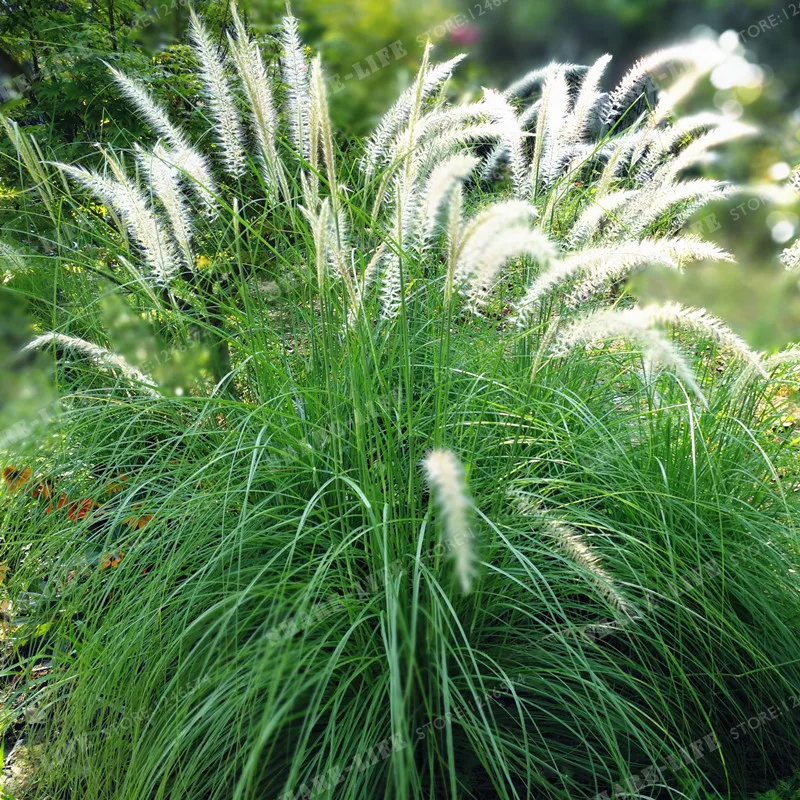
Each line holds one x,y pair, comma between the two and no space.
255,81
697,152
613,260
512,136
513,242
366,281
536,77
577,123
129,202
182,155
151,111
700,54
322,138
794,180
651,203
442,181
677,252
592,217
328,253
635,324
789,358
479,233
576,548
296,77
98,355
393,122
164,182
705,325
550,143
445,476
659,142
790,257
454,225
11,258
195,172
220,100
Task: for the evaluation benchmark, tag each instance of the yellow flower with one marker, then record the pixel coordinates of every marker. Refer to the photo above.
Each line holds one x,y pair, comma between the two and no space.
202,261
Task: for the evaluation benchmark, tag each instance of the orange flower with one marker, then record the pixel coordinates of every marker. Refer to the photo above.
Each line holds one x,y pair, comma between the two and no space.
137,523
16,478
44,489
80,509
111,561
116,486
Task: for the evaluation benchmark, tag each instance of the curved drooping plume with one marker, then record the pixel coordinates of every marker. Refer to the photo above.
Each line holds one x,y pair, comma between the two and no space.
144,226
93,352
445,475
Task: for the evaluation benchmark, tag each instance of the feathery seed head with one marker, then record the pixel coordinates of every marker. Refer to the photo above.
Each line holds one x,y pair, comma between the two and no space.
480,231
445,476
602,263
255,81
699,321
592,217
790,357
322,135
635,324
573,545
511,135
790,257
552,119
196,173
442,181
535,78
794,181
515,241
576,548
703,55
586,102
698,150
399,127
98,355
163,179
296,77
674,252
11,257
142,223
151,111
212,69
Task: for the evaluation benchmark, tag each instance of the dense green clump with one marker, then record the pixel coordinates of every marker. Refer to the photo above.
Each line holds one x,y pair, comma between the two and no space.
344,497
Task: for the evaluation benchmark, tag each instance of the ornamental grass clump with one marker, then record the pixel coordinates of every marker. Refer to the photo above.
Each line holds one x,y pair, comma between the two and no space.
438,510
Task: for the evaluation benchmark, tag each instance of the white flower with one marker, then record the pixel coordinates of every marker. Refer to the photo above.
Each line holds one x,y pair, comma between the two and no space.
99,355
637,325
228,129
296,78
445,476
403,111
164,181
255,81
127,200
442,181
